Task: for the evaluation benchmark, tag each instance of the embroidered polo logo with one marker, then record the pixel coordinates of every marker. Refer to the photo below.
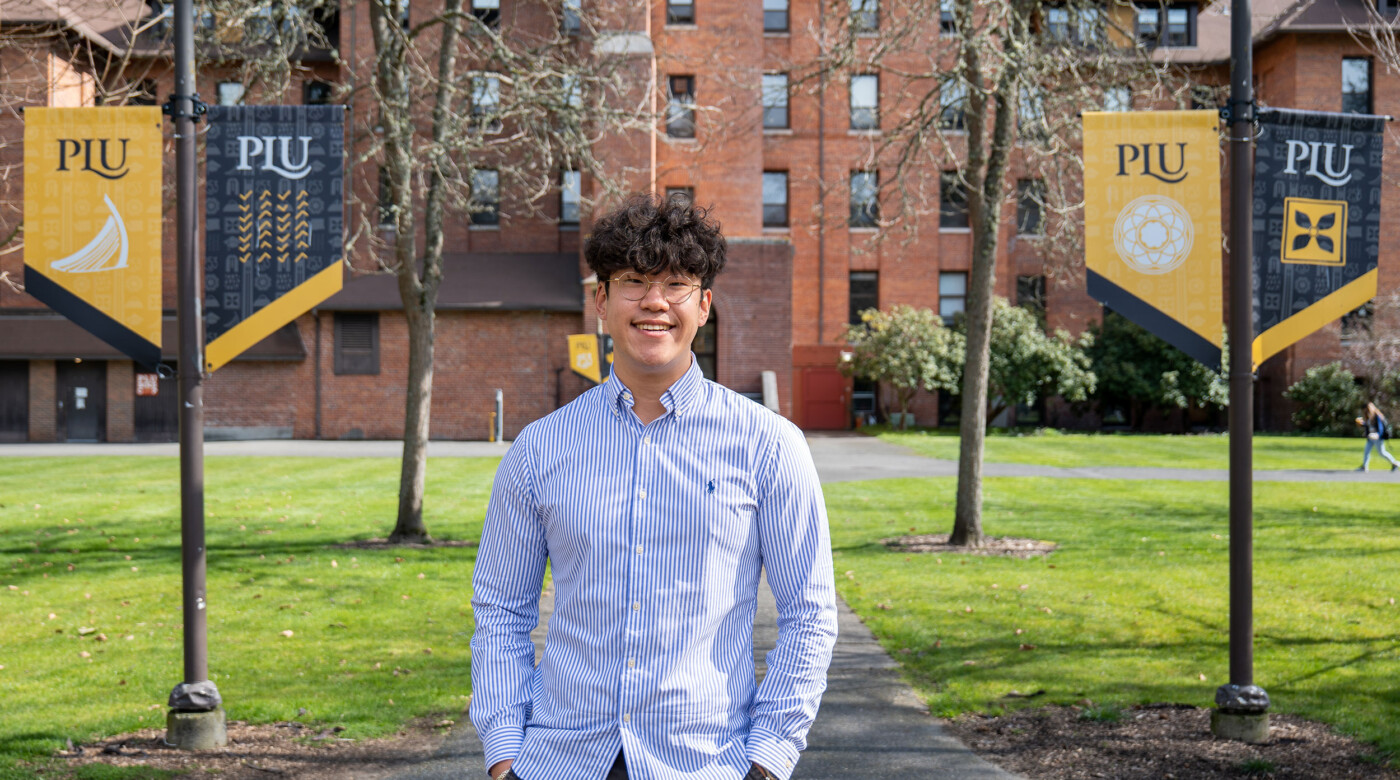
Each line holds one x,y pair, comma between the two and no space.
710,487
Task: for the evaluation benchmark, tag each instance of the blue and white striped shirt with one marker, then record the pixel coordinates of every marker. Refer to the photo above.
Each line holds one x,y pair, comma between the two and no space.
656,535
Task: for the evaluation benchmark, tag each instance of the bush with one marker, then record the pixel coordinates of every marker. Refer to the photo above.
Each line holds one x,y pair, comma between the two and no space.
1326,400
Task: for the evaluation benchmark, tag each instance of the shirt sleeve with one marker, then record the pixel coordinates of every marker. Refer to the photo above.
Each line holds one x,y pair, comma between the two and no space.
506,603
795,543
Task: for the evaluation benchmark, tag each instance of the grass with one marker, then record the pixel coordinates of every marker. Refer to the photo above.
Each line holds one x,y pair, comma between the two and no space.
1133,608
1078,450
378,636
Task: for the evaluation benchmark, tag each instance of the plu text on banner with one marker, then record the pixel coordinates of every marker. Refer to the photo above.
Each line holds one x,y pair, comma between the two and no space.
1152,223
274,229
1317,225
92,221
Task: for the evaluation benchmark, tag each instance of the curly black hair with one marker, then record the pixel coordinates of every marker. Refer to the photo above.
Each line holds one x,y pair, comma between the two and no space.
650,235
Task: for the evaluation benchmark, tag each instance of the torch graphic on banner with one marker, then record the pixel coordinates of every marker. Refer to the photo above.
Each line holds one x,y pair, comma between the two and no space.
92,218
1152,223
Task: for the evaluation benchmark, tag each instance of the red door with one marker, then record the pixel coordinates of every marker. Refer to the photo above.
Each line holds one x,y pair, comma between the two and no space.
824,400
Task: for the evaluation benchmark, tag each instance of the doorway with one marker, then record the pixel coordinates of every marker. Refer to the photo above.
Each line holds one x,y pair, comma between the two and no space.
824,399
82,401
14,400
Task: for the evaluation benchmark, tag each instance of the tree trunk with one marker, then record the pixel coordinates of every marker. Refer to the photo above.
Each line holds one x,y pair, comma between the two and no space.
987,161
417,414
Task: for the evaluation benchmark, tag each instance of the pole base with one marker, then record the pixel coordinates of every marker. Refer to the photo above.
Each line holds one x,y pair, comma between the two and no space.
1249,728
196,730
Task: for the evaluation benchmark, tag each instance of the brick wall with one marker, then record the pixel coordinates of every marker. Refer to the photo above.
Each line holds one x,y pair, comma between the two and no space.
43,407
121,391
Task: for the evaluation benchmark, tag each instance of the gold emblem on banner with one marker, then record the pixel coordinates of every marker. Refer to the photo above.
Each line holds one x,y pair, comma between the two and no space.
1314,231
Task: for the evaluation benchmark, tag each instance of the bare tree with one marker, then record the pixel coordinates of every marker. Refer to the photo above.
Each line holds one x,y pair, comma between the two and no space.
987,92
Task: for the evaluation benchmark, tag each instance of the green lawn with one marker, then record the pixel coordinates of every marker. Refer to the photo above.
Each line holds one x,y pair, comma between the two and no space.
1136,596
1205,451
378,637
1133,607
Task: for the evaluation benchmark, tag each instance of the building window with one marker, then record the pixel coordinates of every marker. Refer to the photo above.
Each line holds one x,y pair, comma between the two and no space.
952,295
387,209
486,198
316,93
1083,26
865,199
684,194
1357,322
706,346
1030,295
1171,26
488,12
144,94
403,14
865,102
486,103
952,102
571,91
230,93
775,101
570,197
865,16
680,11
952,202
1030,112
1356,85
947,22
1030,199
357,342
775,16
864,293
680,107
1118,99
775,199
572,20
1387,8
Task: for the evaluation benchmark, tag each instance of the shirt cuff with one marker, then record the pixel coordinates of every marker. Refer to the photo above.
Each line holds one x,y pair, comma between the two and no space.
503,744
772,752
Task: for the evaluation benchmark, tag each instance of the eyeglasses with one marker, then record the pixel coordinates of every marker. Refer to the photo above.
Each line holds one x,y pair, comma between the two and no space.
676,289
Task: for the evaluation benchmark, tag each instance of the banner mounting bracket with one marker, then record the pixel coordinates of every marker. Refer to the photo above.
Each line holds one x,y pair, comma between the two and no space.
198,107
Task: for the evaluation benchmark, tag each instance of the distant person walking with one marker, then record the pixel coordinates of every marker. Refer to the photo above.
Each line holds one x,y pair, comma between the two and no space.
1377,430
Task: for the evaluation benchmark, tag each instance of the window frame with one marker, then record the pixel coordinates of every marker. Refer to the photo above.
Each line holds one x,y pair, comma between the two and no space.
565,202
946,297
947,19
1161,35
865,17
865,118
785,11
571,17
1030,194
953,216
1367,97
676,16
865,214
220,93
485,113
952,107
854,300
316,85
680,107
771,207
362,362
488,12
490,216
772,119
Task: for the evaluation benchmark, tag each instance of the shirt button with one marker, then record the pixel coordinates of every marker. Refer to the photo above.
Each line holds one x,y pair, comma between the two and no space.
627,717
636,605
642,493
639,549
646,440
631,663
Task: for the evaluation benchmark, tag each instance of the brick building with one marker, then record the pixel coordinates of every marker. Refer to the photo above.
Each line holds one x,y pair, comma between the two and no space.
784,169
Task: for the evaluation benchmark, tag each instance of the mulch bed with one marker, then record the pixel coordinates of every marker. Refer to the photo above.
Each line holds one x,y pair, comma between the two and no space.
1007,546
272,751
1157,742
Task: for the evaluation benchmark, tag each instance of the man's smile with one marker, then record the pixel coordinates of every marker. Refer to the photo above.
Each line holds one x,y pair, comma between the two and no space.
655,327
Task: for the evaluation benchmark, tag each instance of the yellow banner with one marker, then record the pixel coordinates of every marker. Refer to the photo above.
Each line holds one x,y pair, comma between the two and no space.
1152,223
92,220
584,359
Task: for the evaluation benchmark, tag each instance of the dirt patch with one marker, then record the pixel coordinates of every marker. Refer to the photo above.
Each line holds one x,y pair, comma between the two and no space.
1005,546
273,751
385,544
1158,741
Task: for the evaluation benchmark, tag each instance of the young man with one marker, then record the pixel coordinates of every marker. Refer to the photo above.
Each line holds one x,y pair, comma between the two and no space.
656,498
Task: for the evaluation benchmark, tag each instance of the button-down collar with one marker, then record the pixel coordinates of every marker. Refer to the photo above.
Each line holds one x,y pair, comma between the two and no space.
678,398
